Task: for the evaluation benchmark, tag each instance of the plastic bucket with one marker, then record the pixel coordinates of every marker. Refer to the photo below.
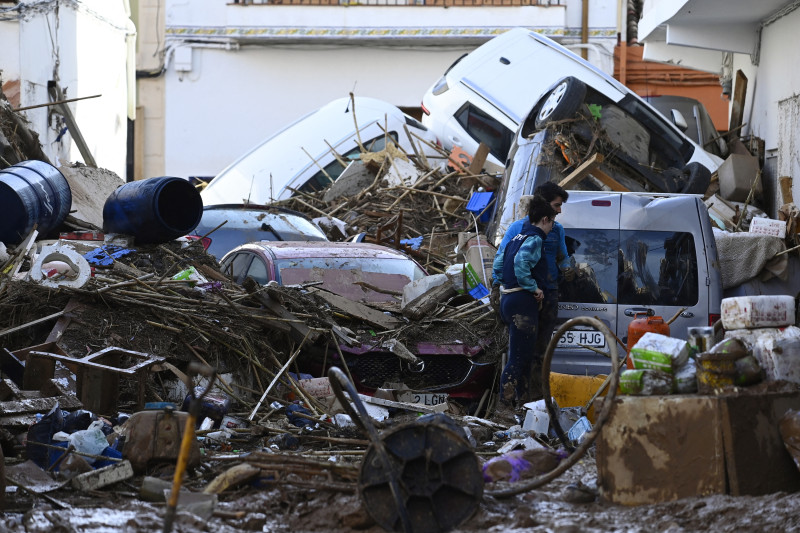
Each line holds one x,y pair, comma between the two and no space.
32,193
154,210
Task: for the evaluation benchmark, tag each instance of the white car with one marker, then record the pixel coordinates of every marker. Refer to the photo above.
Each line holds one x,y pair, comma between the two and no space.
487,94
294,157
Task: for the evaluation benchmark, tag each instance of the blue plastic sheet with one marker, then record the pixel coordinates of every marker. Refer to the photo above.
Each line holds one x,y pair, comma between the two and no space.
106,255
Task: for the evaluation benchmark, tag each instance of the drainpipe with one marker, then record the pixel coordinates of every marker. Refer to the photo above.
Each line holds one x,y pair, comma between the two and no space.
585,28
622,40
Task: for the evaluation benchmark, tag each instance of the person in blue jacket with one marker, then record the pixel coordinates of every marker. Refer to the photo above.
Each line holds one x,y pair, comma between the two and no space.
521,269
558,265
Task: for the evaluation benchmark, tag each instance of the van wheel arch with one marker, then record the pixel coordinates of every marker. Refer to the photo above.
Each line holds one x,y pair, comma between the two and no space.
562,102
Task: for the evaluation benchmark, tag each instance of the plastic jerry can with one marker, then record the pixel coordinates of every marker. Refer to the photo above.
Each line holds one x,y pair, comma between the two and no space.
640,325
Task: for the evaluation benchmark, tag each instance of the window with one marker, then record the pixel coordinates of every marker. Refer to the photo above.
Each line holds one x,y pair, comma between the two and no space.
658,268
595,256
236,266
631,268
258,271
319,181
485,129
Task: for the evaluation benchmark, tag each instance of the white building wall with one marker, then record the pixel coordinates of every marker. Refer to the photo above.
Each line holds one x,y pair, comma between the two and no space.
282,62
9,44
775,86
83,46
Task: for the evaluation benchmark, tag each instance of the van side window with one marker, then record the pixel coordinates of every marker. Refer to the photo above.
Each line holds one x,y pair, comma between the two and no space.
658,268
485,129
594,256
319,181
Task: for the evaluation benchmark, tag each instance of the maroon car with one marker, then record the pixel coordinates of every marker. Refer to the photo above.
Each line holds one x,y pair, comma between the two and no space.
349,270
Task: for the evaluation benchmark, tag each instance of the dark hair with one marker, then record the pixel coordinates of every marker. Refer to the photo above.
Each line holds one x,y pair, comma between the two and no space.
550,190
540,208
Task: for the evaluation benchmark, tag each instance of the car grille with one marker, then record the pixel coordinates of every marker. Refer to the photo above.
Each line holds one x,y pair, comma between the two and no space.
375,369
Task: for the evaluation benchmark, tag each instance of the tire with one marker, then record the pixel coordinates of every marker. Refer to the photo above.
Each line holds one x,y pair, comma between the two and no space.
562,102
698,178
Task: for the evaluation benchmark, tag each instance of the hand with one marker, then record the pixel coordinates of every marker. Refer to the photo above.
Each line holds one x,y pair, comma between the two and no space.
569,274
538,294
494,297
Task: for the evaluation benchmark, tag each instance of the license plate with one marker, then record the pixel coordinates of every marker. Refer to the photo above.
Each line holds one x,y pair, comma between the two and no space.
424,398
574,338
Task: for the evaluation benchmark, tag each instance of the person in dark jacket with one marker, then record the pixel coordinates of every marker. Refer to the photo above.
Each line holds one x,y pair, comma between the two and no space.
558,266
521,270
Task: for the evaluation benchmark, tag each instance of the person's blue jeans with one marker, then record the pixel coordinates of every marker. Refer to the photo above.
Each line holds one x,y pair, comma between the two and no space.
520,312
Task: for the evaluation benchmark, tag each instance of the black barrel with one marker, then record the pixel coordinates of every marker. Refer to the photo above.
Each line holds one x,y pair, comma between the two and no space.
32,193
154,210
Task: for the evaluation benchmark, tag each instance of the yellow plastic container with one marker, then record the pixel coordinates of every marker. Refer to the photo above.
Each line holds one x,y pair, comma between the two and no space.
575,391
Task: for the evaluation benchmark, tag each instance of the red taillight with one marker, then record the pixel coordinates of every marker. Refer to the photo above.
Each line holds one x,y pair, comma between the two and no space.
601,203
424,109
206,241
712,318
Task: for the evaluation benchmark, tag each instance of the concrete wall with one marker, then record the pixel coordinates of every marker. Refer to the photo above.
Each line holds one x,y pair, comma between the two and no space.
774,89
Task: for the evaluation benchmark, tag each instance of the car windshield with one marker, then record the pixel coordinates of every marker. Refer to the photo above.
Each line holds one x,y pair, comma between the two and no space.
631,267
333,170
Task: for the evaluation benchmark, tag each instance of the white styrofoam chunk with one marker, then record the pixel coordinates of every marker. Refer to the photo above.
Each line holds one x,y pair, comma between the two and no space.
757,312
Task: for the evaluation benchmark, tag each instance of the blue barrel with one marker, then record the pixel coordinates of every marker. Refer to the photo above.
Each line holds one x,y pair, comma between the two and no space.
32,193
154,210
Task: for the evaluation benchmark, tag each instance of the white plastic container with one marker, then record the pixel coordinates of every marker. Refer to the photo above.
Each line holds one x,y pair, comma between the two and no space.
757,312
537,419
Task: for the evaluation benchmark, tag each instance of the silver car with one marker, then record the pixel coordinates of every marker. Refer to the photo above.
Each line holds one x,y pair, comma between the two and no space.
634,253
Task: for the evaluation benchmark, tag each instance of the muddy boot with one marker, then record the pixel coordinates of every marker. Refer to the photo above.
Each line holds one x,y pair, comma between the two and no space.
504,412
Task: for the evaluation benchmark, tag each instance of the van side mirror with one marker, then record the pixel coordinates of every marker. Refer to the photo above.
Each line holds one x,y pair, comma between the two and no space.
678,120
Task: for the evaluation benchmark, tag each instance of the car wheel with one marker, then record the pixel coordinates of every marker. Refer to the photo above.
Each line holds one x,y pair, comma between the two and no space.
562,102
698,178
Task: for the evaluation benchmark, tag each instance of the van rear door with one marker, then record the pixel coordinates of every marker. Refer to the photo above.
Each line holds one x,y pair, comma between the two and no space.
664,266
591,224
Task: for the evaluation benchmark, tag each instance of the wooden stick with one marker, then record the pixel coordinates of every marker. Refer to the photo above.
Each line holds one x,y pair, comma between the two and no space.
441,195
277,375
676,315
48,104
31,323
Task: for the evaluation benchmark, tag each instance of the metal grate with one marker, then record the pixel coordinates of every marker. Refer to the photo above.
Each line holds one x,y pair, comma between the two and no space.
375,369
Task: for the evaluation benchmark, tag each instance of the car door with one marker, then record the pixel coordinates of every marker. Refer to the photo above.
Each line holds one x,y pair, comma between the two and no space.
663,268
591,226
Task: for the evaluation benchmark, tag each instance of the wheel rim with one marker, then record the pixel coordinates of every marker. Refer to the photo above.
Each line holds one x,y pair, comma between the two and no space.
552,101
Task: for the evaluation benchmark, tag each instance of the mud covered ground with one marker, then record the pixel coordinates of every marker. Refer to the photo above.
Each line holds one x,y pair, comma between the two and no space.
286,509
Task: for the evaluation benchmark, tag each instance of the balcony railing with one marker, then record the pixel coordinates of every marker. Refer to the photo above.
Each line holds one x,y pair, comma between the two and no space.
438,3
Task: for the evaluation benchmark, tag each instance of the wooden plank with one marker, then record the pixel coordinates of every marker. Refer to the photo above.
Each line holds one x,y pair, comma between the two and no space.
738,100
479,159
582,171
69,118
358,310
607,180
